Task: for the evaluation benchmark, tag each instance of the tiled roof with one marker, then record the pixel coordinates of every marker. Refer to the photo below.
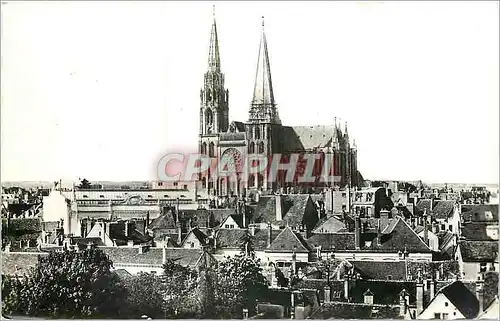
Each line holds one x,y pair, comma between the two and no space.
199,234
298,138
18,263
480,213
424,204
165,221
384,291
329,225
344,310
479,251
336,241
288,241
463,299
261,238
151,256
230,238
383,270
238,125
443,209
398,236
477,231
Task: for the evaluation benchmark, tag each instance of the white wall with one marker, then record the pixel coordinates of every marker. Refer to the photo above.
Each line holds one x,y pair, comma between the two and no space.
55,207
136,268
382,256
438,305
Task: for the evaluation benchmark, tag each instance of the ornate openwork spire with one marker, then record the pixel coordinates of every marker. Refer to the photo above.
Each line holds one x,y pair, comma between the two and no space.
213,51
263,97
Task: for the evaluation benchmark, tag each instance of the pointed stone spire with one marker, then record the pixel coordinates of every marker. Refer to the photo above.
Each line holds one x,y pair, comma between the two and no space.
213,51
263,104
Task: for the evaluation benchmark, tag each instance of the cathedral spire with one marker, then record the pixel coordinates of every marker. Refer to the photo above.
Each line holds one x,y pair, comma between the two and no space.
263,89
213,51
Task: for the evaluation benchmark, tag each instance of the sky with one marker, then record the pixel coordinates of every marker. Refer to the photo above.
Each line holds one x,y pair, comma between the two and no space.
103,89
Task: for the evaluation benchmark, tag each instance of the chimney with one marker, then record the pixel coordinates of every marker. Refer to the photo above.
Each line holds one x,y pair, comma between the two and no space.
278,208
189,225
147,221
318,252
294,263
215,240
179,235
244,215
384,214
126,228
420,293
141,249
130,243
480,296
269,234
164,252
379,233
432,289
403,302
252,230
327,294
166,241
426,232
357,232
346,288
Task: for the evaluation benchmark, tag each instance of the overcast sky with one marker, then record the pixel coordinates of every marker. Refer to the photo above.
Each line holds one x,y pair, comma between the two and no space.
102,89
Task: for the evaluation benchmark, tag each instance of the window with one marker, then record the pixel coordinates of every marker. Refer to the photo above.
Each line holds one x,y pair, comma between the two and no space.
175,183
450,228
185,187
165,196
150,196
192,244
226,226
445,316
160,184
482,267
231,226
343,195
257,133
437,315
389,277
443,227
446,304
85,196
101,196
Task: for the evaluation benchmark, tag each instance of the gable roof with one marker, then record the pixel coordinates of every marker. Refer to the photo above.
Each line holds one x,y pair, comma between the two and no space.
288,241
300,138
200,236
424,204
329,225
398,235
294,210
479,251
463,299
443,209
492,311
165,221
238,126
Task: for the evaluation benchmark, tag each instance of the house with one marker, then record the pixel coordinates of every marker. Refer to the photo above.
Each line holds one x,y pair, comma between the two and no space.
368,202
480,213
447,216
433,240
375,239
454,301
477,257
338,201
287,246
330,224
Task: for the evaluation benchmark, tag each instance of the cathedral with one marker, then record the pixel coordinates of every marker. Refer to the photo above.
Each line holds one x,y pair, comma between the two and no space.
263,132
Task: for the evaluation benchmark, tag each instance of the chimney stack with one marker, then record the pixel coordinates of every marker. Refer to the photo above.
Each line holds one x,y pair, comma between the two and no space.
164,252
278,208
269,234
432,289
179,234
243,210
327,294
420,293
294,263
403,302
426,232
346,288
126,228
252,229
480,295
357,232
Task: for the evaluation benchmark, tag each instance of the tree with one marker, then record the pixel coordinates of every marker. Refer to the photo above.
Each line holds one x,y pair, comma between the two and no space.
69,284
84,184
180,294
246,244
240,283
145,295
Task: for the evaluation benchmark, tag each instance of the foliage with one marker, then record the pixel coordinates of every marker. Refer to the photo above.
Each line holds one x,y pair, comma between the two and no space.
180,295
240,283
84,184
67,284
145,295
490,287
246,244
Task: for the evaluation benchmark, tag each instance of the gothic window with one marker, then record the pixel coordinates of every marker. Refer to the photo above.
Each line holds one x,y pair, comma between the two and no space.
251,148
261,147
209,118
257,133
251,181
211,150
260,180
204,148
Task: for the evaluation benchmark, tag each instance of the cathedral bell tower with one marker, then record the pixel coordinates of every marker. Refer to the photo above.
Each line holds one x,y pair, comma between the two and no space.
214,108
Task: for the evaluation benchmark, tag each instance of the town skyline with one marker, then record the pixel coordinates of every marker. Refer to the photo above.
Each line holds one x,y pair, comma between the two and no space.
97,117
